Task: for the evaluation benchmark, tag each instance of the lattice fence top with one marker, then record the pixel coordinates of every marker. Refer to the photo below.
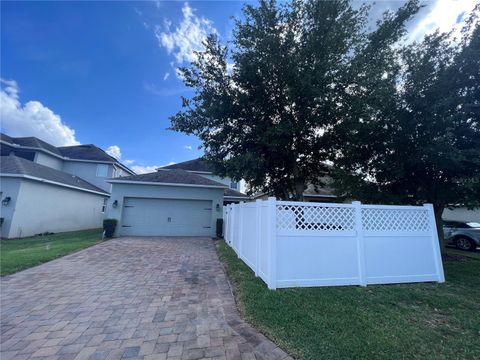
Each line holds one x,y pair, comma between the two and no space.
395,220
325,218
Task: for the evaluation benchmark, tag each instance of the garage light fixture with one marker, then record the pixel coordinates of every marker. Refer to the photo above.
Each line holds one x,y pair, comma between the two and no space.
115,204
6,200
218,207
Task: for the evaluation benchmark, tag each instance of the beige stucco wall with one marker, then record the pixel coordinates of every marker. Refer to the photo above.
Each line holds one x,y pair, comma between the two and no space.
42,207
88,172
121,191
8,187
461,214
48,160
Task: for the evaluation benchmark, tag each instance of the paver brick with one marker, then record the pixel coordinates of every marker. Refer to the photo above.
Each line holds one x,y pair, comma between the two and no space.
150,298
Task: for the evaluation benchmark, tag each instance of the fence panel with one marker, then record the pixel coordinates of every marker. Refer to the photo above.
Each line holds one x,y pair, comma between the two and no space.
290,244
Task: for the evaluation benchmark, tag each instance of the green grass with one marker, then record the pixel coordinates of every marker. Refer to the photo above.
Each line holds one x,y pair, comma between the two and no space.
408,321
20,254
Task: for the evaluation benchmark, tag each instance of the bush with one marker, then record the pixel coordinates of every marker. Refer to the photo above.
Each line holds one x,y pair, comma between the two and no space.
219,228
109,226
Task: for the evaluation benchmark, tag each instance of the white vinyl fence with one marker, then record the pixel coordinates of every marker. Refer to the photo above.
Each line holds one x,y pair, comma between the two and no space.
291,244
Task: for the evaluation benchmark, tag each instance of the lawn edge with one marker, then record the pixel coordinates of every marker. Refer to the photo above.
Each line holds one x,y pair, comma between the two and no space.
234,289
101,241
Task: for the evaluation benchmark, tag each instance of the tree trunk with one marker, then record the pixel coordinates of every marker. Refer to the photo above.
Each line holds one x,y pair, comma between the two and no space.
299,189
438,210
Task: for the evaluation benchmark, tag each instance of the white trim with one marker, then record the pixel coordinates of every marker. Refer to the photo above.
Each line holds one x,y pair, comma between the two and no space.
34,178
315,195
164,184
225,197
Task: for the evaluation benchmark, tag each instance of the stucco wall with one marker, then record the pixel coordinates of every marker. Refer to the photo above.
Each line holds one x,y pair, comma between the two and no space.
461,214
47,160
41,207
8,187
121,191
88,172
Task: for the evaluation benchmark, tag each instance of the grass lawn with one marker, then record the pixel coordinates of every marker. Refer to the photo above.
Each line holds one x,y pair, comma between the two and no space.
422,321
20,254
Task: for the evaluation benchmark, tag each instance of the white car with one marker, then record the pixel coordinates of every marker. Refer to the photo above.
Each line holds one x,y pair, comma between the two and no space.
464,235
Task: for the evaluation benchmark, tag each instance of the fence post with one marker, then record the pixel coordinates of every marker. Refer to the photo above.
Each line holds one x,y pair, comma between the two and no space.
240,231
232,227
272,242
258,234
360,243
437,254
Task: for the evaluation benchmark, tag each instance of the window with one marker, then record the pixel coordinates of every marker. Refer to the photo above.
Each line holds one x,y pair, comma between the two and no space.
233,185
104,206
102,170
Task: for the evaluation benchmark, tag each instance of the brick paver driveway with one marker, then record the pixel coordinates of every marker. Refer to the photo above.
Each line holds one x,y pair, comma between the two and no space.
150,298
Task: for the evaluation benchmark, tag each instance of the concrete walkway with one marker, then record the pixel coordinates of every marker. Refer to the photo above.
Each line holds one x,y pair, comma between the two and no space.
135,298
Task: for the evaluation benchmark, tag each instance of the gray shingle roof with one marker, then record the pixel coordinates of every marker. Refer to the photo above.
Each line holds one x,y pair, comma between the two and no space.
86,152
16,165
234,193
174,176
191,165
30,141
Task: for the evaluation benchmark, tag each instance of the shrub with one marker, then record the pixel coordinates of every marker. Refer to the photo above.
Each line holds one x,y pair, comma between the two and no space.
219,228
109,226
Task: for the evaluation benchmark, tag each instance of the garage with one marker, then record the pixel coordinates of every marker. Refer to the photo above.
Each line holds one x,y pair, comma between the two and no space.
166,217
166,203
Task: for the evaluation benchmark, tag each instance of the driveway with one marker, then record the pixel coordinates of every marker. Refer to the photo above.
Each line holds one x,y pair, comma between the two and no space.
136,298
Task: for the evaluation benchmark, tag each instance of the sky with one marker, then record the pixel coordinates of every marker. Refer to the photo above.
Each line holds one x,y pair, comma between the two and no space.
104,73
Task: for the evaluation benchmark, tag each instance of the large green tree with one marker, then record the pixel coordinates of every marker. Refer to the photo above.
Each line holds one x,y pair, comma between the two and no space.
418,140
297,66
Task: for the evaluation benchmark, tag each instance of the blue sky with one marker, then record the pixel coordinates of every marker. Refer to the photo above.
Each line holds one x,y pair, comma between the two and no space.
104,72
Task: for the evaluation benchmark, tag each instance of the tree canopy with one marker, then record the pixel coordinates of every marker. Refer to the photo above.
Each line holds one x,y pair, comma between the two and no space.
266,118
307,83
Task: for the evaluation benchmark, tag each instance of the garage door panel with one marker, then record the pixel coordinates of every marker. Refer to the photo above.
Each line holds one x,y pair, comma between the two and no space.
166,217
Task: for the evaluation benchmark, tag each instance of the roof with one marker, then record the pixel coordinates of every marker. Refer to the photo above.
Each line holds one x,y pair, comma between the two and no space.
319,190
174,176
233,193
86,152
199,165
30,141
14,165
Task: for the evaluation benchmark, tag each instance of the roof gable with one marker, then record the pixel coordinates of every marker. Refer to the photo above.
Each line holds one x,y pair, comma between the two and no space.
85,152
199,165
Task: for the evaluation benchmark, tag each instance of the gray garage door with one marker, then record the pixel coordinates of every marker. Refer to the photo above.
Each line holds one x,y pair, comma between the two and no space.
166,217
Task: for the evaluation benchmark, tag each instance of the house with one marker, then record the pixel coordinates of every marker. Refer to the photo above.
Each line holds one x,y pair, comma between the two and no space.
200,167
44,188
184,199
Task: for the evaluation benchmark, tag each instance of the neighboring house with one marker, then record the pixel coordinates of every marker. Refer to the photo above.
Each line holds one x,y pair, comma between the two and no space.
51,189
184,199
168,202
86,161
313,193
461,214
200,167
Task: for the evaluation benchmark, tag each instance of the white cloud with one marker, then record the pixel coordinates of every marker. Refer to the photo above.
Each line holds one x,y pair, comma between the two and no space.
114,151
165,77
144,169
32,118
443,15
187,37
187,147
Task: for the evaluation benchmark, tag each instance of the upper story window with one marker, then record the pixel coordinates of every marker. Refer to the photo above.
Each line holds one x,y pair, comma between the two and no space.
233,185
102,170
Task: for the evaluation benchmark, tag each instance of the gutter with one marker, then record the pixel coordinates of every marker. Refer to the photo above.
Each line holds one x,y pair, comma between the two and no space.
34,178
165,184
